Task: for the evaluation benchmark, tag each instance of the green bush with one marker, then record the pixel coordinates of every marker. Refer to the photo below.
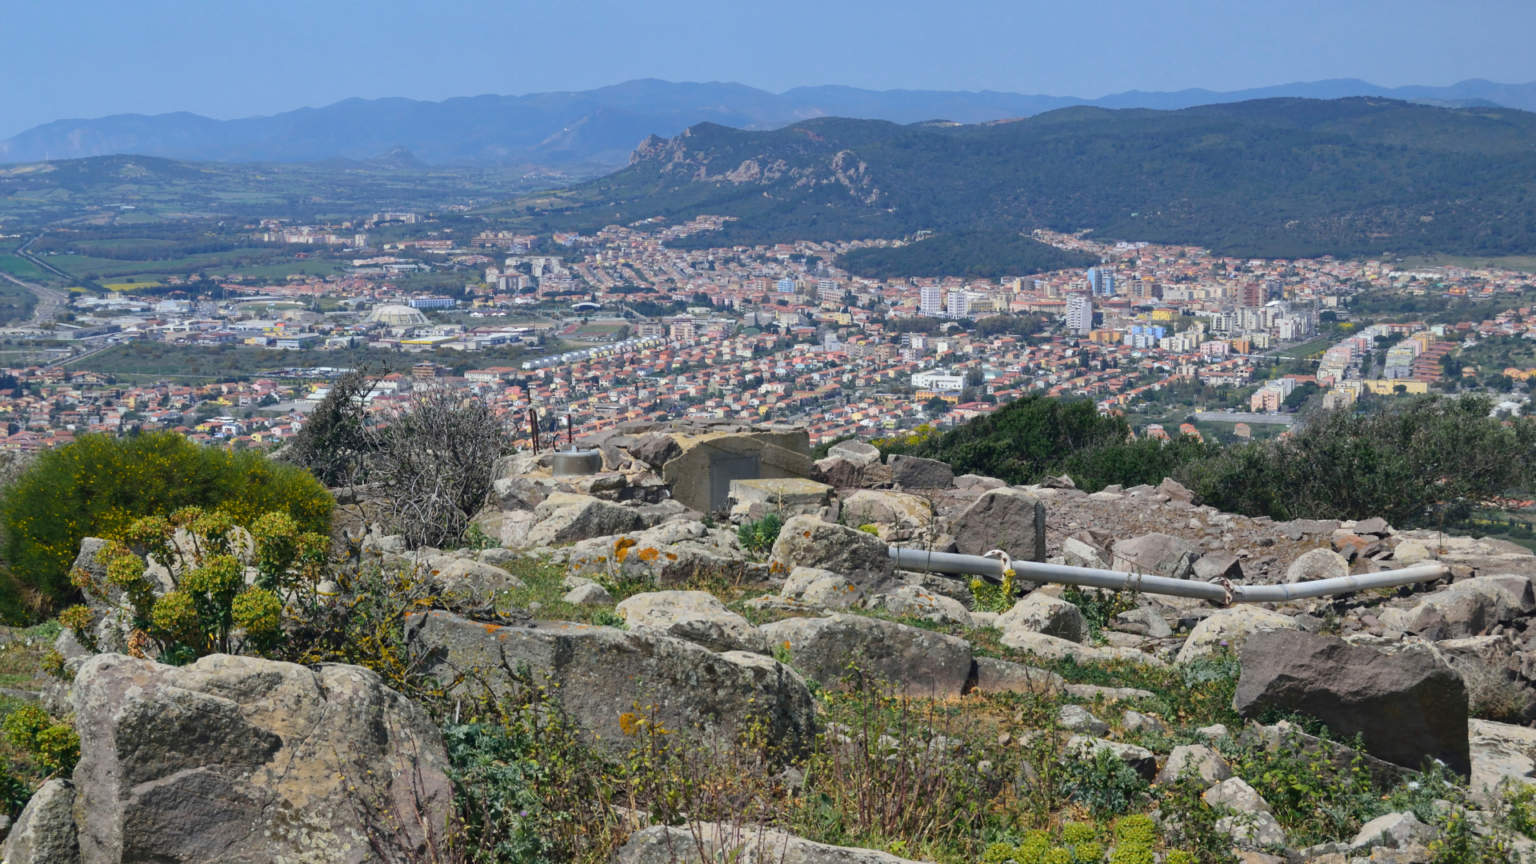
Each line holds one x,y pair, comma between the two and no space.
758,536
98,486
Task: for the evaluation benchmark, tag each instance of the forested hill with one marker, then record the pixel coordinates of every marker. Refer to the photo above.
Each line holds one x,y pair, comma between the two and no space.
1271,177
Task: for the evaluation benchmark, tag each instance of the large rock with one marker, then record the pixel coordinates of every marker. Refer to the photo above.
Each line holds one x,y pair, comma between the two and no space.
1394,831
920,662
655,449
1500,753
238,759
693,615
1408,707
1228,629
847,474
821,588
708,842
912,472
1056,648
1196,762
1156,555
603,673
1445,615
1005,519
786,496
1317,564
1219,564
466,576
1235,794
891,510
1000,676
45,832
566,518
914,601
806,541
669,554
856,452
1043,613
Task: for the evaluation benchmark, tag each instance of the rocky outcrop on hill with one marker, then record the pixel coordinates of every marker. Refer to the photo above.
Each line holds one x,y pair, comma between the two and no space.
1407,706
240,759
604,674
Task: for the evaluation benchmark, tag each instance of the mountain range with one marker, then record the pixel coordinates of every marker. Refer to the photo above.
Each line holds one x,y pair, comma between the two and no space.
1266,177
603,125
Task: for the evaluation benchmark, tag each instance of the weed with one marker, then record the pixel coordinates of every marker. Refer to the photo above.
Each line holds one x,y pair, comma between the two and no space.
1103,783
758,536
1099,607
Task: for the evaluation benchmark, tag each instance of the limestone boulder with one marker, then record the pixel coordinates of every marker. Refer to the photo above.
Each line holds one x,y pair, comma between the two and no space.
1076,718
708,842
1229,629
1156,554
786,496
45,832
856,452
1393,831
522,492
821,588
603,673
590,594
890,511
1317,564
1056,648
1175,490
669,554
912,472
510,528
955,588
1043,613
1408,707
1081,553
1006,519
1195,761
1001,676
1219,564
913,601
919,662
696,616
567,518
847,474
242,759
861,558
474,578
1445,615
1142,621
1140,759
1235,794
1501,753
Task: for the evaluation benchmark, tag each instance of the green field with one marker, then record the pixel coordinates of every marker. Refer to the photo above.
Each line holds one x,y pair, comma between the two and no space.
21,268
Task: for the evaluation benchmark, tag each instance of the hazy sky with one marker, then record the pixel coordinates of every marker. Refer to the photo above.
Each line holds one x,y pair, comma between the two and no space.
67,58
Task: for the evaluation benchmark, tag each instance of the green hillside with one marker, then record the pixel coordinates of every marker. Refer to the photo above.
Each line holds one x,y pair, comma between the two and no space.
1275,177
972,254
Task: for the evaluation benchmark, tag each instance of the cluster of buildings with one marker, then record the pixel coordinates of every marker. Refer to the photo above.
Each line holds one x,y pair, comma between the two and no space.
759,333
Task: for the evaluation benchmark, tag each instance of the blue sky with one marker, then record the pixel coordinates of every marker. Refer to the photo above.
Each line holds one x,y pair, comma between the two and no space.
68,58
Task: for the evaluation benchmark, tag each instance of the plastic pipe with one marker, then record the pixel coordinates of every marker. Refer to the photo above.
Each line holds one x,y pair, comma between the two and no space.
1216,592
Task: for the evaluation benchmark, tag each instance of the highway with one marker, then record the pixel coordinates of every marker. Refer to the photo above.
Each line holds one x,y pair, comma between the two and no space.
49,301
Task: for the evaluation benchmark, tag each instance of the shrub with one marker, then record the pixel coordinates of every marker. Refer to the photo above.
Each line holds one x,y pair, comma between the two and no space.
1103,783
98,486
759,536
209,601
55,746
433,462
333,444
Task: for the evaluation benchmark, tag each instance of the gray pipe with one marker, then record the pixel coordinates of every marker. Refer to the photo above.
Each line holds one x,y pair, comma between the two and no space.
1091,577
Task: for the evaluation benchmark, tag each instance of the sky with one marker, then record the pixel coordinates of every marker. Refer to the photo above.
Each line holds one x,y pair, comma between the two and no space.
66,59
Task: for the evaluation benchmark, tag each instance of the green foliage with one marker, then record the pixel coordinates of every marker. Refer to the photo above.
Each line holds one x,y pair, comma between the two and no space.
1103,783
1270,178
1320,792
97,487
1098,607
758,536
333,443
55,746
209,602
1410,461
983,254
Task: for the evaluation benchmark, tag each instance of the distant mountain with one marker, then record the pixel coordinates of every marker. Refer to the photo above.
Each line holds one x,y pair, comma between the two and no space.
1268,177
603,125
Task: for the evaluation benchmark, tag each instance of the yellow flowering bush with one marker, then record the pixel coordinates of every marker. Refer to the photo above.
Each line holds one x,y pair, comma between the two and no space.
99,486
211,605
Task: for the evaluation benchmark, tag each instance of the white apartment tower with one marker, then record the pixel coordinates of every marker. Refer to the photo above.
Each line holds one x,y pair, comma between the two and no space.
1079,315
931,301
